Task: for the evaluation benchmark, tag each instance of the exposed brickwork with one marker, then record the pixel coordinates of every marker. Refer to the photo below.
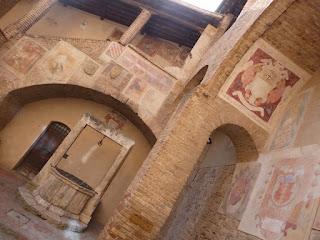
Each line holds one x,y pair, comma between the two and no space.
152,196
91,47
23,24
214,225
159,183
301,37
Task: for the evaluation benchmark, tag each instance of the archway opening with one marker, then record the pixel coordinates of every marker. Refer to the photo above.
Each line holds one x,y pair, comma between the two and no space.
26,114
43,148
198,212
16,99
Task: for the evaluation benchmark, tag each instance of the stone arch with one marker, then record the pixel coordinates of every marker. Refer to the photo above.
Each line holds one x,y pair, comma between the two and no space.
203,181
17,98
13,101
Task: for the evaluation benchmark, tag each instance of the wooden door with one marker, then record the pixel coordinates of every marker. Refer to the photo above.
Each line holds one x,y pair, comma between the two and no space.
41,151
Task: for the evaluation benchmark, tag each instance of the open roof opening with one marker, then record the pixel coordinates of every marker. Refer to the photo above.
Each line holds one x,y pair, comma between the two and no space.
209,5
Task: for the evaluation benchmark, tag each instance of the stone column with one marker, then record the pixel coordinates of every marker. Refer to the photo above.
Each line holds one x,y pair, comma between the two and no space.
23,24
135,27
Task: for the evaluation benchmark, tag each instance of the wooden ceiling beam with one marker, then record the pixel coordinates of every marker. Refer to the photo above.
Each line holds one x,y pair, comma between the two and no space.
161,13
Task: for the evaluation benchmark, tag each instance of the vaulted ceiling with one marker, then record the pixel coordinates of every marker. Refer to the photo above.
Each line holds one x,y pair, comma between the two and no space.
170,20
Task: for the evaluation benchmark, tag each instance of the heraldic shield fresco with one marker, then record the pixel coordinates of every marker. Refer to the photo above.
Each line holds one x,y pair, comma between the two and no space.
237,197
261,82
285,198
287,129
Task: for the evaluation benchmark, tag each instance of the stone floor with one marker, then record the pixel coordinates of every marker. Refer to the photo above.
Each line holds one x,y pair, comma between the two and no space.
16,223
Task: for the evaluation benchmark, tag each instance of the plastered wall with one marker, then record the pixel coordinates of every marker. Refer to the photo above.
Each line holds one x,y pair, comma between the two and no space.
71,23
6,5
32,119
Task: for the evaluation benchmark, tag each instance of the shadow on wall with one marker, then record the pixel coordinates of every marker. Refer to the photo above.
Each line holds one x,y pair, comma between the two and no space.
13,102
192,84
228,145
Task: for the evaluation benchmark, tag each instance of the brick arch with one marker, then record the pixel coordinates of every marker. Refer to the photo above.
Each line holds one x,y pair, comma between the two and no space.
243,142
16,99
188,209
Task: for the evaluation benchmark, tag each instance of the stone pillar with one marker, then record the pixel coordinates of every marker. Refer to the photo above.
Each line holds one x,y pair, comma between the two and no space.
135,27
209,36
23,24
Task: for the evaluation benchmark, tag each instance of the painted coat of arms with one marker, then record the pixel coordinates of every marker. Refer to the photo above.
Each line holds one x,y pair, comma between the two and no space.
286,131
237,198
286,196
261,82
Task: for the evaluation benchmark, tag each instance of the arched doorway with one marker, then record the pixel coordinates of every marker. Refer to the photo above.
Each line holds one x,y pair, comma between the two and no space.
40,152
196,214
41,104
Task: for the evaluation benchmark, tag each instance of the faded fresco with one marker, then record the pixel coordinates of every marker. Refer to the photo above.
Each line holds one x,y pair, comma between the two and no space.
8,80
149,87
24,55
261,81
243,181
286,132
114,75
158,48
58,65
286,195
113,51
115,121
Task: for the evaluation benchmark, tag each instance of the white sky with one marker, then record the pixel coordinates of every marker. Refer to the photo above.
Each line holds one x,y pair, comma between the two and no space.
210,5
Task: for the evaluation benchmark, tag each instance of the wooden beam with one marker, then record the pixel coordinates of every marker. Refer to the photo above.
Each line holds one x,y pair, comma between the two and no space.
215,15
166,15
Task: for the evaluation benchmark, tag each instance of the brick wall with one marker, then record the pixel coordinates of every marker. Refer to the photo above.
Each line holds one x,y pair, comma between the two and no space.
23,24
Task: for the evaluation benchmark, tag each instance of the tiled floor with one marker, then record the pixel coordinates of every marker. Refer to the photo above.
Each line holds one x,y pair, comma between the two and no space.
16,223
